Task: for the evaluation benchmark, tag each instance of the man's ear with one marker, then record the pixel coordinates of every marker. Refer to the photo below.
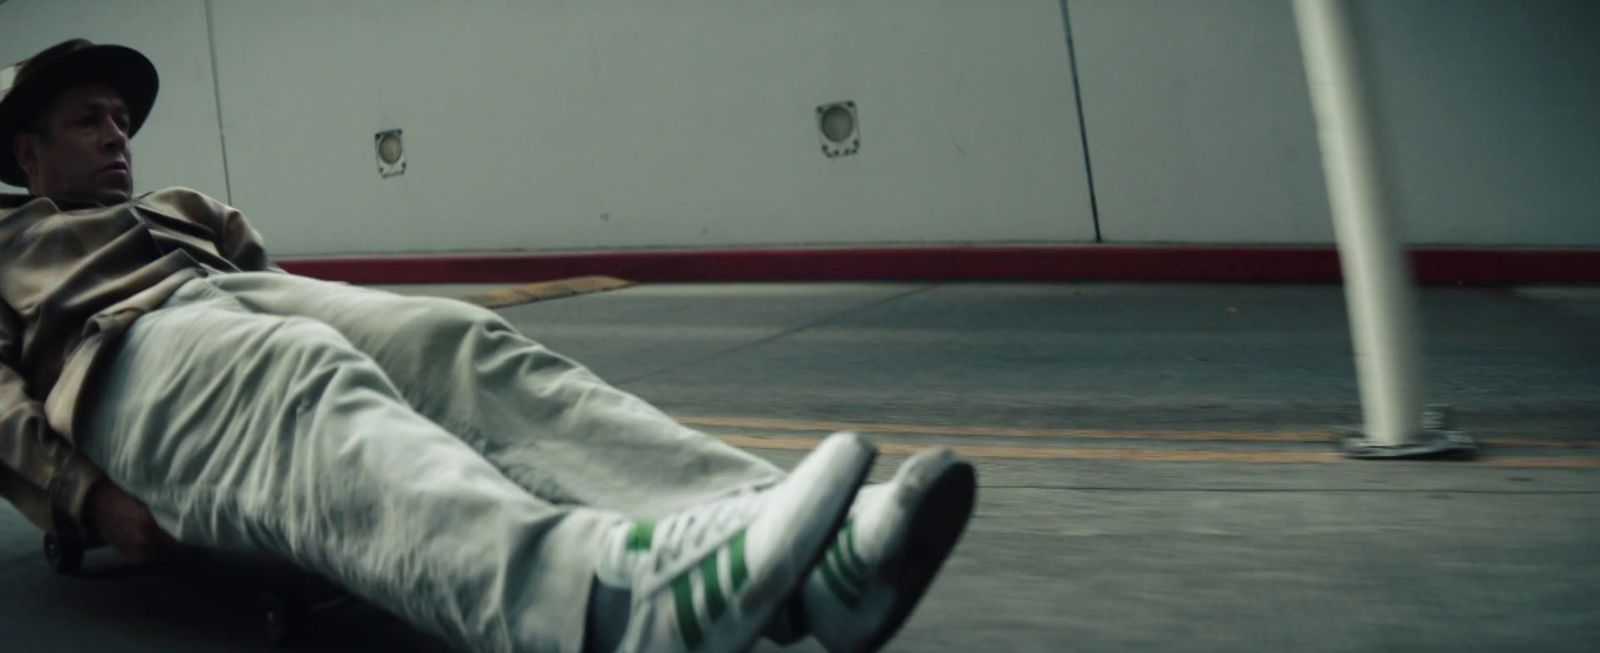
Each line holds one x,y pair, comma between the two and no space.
25,147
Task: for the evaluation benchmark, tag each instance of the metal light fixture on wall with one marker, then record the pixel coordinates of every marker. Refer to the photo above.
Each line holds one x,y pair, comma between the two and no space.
391,153
839,126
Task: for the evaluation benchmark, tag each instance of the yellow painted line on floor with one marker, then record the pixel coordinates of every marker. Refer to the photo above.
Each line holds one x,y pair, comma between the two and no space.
534,292
1001,431
1056,453
1554,462
1086,434
1149,455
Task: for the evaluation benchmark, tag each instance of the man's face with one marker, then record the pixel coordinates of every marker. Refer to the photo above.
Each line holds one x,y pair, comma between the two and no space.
83,153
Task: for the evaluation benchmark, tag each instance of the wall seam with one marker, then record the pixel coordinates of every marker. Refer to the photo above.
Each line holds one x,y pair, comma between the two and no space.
1083,133
216,90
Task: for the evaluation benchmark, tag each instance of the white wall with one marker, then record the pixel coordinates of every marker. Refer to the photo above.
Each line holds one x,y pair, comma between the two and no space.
1198,121
619,123
179,144
1493,111
1200,128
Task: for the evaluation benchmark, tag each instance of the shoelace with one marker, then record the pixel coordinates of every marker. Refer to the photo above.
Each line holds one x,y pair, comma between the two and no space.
689,533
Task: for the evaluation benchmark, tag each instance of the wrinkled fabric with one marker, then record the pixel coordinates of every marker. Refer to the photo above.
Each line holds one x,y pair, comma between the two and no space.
73,277
419,451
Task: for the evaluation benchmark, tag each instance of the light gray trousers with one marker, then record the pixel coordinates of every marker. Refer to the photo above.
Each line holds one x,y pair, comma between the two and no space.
419,451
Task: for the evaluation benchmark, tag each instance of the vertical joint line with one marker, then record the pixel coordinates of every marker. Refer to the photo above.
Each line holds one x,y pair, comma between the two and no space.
216,90
1083,134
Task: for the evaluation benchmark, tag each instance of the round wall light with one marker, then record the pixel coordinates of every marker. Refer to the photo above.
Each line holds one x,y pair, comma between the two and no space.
391,152
839,126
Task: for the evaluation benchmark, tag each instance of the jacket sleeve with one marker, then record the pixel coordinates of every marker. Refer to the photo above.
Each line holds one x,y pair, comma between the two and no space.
232,235
39,470
240,243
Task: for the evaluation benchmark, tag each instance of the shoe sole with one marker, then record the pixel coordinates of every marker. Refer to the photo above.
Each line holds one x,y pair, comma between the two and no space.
869,454
938,520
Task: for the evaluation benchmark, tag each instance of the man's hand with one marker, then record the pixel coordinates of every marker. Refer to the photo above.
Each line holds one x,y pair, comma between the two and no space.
126,524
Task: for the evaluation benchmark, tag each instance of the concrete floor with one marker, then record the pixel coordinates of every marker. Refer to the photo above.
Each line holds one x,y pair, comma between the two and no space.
1153,470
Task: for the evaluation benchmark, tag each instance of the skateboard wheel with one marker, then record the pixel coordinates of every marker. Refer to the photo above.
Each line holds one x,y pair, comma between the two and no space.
283,617
64,557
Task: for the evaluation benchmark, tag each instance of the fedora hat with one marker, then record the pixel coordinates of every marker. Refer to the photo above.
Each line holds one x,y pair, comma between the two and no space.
60,67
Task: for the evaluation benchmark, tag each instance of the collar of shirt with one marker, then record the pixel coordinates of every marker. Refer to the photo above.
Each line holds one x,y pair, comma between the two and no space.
15,200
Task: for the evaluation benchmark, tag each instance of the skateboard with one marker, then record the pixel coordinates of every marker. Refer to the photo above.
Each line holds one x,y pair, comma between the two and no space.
287,599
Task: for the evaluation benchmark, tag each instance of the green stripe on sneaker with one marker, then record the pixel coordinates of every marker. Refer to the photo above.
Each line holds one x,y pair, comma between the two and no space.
846,574
851,568
683,604
846,595
849,540
641,535
738,573
714,601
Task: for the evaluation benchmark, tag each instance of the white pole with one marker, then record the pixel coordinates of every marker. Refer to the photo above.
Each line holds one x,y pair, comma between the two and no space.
1377,276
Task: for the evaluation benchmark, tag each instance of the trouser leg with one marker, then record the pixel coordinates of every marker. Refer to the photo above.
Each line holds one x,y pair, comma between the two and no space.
548,423
255,432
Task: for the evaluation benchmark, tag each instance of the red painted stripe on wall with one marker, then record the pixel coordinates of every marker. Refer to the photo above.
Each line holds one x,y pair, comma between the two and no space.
1043,263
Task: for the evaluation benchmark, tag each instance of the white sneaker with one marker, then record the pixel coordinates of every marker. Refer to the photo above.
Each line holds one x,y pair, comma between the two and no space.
708,579
894,542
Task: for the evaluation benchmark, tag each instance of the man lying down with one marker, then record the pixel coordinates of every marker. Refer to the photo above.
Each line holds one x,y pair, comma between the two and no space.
163,383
